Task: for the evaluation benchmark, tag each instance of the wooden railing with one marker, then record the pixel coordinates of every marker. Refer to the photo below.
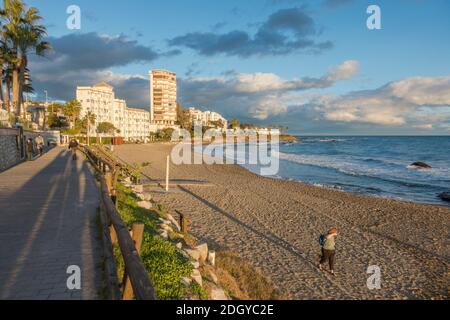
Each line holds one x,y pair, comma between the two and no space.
135,283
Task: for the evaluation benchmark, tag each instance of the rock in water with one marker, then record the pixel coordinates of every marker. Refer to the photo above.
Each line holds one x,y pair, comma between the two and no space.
445,196
420,165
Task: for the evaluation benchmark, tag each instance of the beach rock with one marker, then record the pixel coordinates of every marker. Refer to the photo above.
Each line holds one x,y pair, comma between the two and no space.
213,277
218,294
165,235
186,282
420,165
197,277
193,253
127,180
203,251
212,258
138,188
445,196
166,227
144,196
145,205
164,221
175,222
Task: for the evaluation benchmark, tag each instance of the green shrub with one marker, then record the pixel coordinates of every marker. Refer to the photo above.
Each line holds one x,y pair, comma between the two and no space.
164,262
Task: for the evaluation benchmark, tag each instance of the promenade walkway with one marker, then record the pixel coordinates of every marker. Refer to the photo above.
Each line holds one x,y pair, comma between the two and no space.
48,222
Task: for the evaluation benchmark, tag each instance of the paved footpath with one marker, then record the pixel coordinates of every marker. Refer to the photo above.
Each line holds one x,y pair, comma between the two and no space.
48,222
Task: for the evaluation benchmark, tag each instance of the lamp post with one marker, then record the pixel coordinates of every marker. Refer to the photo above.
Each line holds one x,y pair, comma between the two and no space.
45,109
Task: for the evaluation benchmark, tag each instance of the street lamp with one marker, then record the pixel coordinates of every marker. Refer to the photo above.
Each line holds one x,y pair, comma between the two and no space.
45,109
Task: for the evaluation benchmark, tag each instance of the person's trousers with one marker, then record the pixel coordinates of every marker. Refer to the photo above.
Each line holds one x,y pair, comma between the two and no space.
328,255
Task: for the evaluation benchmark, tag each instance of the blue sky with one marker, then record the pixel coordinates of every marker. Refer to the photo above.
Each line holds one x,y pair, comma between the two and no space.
218,47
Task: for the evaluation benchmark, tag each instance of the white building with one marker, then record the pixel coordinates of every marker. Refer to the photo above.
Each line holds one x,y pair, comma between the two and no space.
206,118
134,124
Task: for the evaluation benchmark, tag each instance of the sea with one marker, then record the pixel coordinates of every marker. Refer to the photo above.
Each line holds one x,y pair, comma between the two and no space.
376,165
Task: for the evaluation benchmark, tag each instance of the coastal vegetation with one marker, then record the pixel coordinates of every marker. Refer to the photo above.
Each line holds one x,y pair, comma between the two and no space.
165,264
21,34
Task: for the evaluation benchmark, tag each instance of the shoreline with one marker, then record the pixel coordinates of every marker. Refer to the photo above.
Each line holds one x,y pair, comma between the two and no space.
274,224
438,201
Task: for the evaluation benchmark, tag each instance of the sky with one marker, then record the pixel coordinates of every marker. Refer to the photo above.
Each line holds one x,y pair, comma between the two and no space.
313,66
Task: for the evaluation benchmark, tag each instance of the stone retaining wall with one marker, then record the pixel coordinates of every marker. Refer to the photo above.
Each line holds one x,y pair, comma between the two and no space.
10,149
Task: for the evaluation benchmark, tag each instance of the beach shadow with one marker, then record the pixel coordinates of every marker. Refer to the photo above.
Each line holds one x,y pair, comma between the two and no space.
269,236
42,223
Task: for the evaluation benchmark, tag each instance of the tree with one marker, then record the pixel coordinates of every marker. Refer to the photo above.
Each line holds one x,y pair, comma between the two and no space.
183,117
217,124
56,108
165,134
106,128
235,124
72,110
88,121
55,122
23,34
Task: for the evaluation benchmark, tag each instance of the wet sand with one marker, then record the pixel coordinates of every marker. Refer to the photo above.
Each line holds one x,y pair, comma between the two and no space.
275,225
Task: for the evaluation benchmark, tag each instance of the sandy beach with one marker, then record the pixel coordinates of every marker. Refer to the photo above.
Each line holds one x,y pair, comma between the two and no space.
275,225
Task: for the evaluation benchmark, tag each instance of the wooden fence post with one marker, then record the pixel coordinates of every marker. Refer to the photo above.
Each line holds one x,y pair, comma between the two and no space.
109,181
112,235
184,222
137,234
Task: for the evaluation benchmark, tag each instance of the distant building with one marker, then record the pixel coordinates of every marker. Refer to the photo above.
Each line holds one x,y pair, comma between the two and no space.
206,118
163,99
101,101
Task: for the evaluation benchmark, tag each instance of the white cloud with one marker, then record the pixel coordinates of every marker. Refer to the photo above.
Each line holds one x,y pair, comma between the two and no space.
258,95
344,71
395,104
428,126
422,90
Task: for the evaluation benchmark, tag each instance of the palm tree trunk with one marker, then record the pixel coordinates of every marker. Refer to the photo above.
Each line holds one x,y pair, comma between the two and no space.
16,90
21,82
23,66
2,94
8,94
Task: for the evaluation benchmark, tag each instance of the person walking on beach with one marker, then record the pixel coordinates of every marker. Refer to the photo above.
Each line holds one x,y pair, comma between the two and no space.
73,145
30,149
328,249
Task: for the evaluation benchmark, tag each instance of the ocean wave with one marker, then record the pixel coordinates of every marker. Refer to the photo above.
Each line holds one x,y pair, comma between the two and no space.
388,170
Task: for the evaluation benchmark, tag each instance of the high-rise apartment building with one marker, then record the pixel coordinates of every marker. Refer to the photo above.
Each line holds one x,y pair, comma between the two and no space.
163,99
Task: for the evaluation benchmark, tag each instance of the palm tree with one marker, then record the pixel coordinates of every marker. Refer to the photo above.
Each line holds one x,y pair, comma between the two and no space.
72,111
23,34
89,120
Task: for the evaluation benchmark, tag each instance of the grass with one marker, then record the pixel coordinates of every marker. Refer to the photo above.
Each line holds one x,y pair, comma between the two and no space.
164,262
242,281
